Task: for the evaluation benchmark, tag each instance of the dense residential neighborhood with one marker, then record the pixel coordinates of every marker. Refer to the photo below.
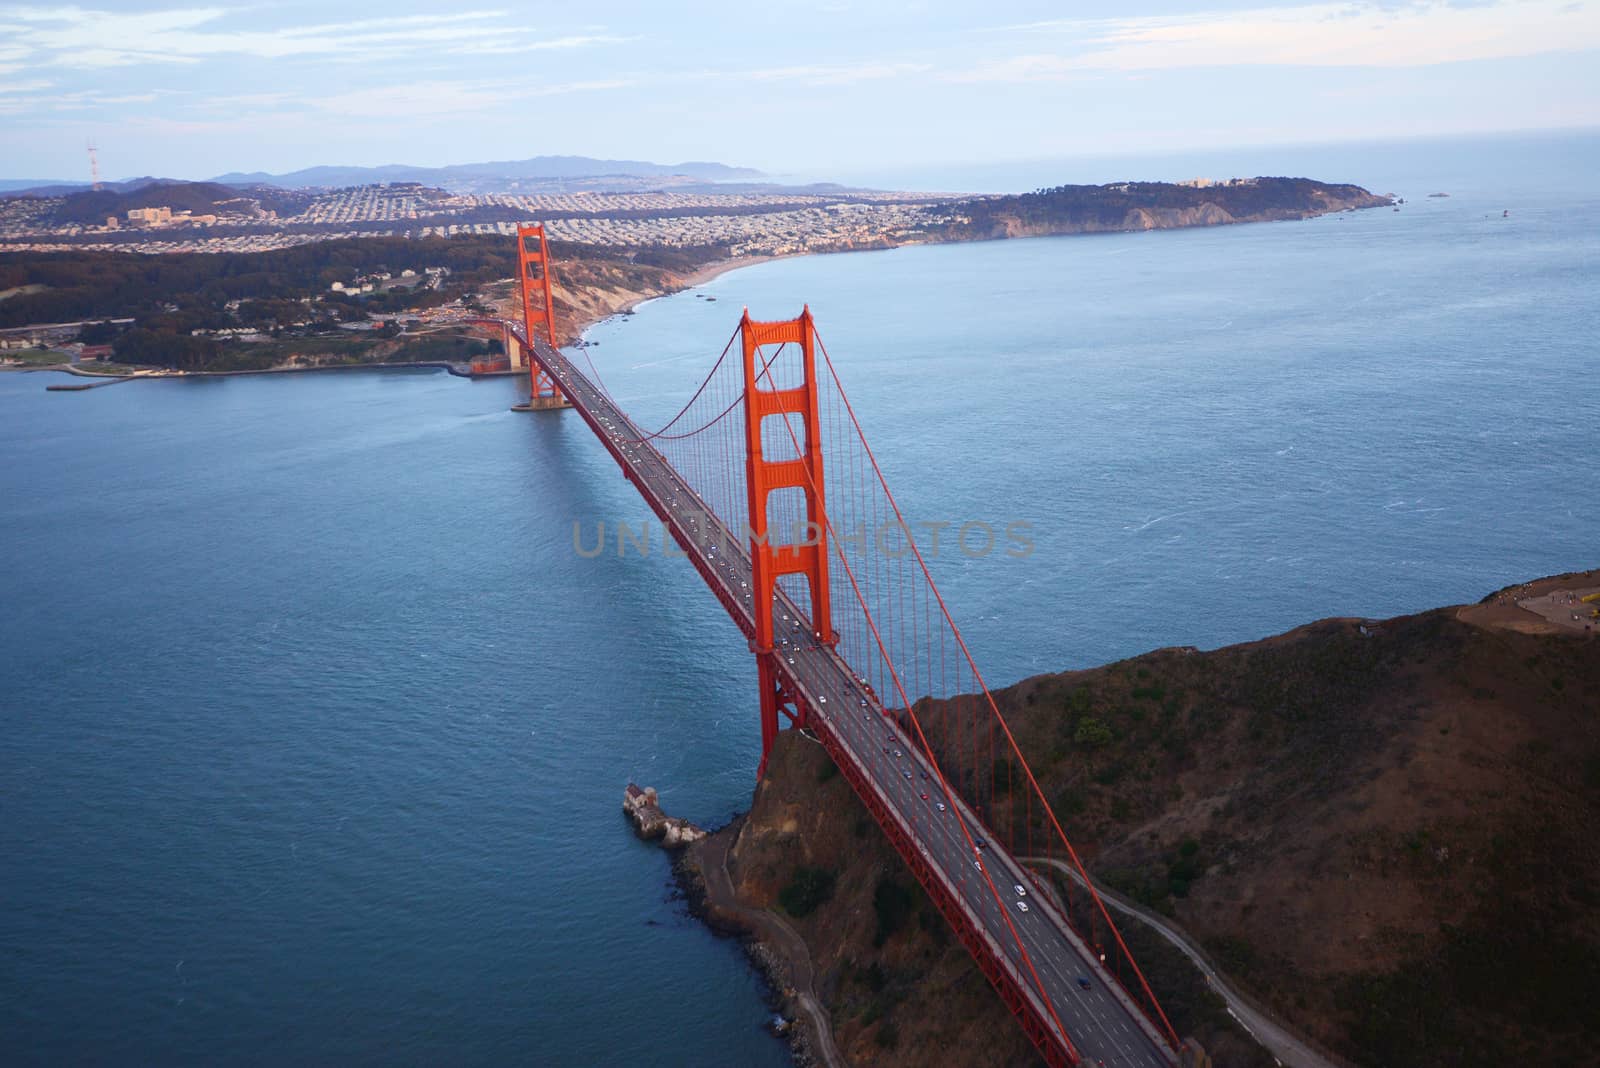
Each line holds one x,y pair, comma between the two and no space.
774,221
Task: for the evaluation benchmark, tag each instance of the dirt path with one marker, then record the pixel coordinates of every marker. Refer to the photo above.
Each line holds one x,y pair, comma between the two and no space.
773,929
1289,1049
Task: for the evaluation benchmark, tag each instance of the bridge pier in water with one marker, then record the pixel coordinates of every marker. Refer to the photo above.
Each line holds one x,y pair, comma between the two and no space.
543,404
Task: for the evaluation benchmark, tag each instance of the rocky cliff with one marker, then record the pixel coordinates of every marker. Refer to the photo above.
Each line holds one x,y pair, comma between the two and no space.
1383,831
1122,206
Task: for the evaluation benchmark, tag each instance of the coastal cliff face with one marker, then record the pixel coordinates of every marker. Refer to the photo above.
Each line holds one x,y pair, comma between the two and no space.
1383,831
1128,206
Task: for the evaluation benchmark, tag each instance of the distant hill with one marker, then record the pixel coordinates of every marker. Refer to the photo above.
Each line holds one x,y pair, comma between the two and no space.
1118,206
91,207
17,187
456,175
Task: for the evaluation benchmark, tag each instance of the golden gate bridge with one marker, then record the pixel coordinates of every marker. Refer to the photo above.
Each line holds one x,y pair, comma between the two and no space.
765,481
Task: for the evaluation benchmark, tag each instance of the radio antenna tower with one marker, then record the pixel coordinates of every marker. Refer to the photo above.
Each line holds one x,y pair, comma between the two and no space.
94,168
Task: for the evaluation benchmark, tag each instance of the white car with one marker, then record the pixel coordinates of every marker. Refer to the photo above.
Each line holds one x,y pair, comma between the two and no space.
1023,906
1020,891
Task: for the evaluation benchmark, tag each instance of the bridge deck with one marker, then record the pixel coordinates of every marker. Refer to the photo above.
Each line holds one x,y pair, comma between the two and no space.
885,766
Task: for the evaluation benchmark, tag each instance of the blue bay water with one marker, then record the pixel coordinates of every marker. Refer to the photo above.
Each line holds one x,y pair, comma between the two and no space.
313,727
1217,434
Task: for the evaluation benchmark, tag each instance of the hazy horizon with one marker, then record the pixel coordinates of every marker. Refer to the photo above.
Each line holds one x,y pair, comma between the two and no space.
1084,164
176,91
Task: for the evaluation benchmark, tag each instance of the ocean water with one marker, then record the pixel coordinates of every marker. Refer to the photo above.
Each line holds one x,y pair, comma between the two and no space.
1217,434
314,727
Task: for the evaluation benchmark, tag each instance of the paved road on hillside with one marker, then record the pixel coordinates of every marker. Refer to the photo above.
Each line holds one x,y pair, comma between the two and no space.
1278,1040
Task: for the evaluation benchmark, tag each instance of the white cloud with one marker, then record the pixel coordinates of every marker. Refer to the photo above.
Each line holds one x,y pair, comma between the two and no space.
93,99
17,98
80,38
1362,34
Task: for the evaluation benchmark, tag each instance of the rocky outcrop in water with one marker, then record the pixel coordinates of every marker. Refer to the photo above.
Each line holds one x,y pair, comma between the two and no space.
644,809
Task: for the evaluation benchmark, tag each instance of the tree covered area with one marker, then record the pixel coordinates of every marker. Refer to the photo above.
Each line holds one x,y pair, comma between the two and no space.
105,285
178,301
1107,206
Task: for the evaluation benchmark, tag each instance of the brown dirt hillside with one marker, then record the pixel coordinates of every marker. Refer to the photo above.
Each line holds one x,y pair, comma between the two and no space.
589,287
1385,832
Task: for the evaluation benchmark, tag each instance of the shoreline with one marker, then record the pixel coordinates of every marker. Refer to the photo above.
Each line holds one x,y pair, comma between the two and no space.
777,953
107,377
698,277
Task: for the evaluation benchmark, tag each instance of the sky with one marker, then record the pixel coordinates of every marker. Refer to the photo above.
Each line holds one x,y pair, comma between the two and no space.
790,88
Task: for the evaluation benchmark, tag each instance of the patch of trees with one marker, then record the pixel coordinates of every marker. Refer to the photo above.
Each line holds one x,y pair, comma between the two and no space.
159,348
99,333
84,285
893,903
104,285
807,890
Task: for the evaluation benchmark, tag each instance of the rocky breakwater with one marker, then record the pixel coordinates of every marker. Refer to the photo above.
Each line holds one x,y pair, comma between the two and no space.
643,807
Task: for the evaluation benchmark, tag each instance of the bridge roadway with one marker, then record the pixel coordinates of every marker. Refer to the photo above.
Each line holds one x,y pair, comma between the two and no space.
1100,1020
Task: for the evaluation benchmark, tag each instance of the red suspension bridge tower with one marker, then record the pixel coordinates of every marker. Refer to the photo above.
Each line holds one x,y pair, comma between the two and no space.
533,251
806,552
